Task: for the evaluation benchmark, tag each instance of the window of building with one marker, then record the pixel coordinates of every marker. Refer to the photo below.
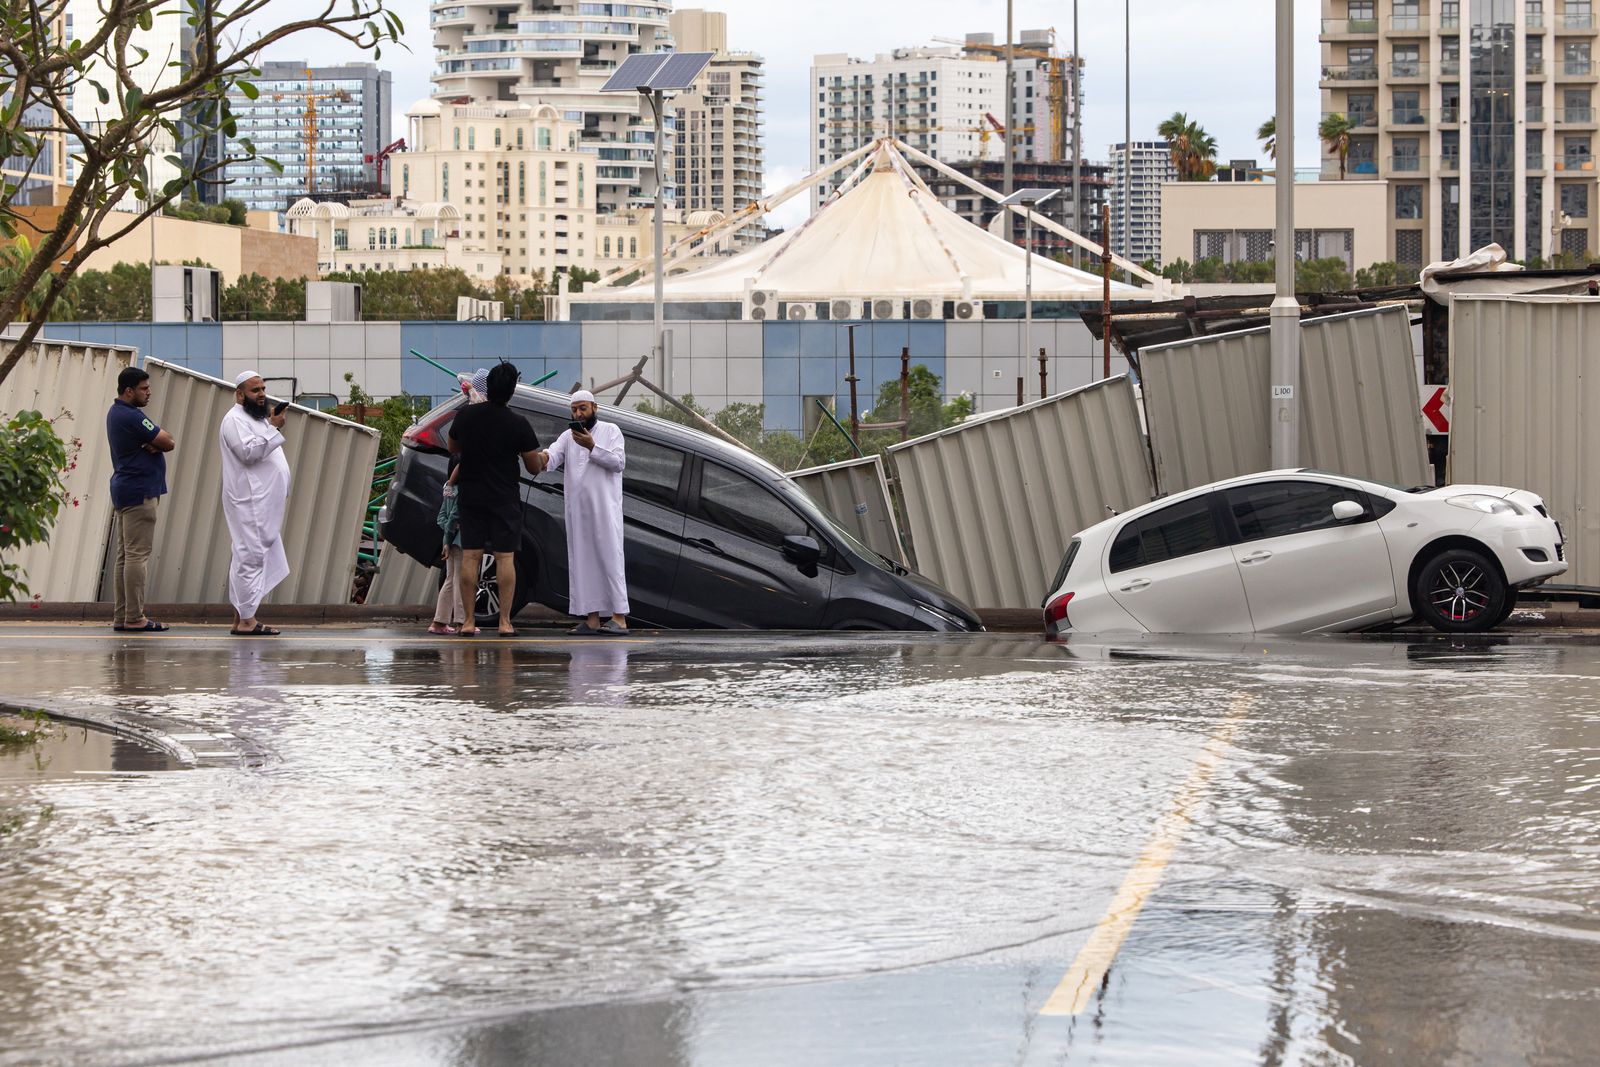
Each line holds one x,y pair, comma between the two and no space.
458,138
1362,109
1450,56
1408,201
405,180
1407,60
1362,11
633,248
605,248
372,240
1533,219
1533,53
1575,199
444,170
1535,13
1407,108
1576,57
341,240
542,182
1575,106
580,183
544,139
522,183
472,138
1408,247
1575,153
1407,15
394,237
1363,56
1407,154
497,137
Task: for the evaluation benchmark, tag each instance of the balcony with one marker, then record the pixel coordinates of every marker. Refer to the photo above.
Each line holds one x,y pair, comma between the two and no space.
1535,115
1450,20
1533,67
1535,21
1349,27
1359,120
1535,161
1575,116
1409,116
1576,164
1450,163
1450,68
1449,116
1408,70
1583,23
1366,72
1577,68
1408,164
1416,22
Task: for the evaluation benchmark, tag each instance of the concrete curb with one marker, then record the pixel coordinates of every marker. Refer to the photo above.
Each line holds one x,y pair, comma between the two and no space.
188,743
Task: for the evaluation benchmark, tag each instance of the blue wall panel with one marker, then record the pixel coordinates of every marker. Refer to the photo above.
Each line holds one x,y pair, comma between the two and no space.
204,342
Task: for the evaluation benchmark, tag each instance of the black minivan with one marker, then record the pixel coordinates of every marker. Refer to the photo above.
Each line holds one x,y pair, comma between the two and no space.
715,537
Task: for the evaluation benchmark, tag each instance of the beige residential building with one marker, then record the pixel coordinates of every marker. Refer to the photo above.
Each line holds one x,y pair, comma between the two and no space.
502,188
718,162
1234,221
1478,113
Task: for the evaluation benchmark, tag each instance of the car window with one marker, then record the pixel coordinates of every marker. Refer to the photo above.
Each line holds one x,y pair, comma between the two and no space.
1179,530
652,472
745,507
1126,551
1066,565
1275,509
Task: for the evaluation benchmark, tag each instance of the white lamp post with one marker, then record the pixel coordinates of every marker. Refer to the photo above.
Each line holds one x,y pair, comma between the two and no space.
1029,199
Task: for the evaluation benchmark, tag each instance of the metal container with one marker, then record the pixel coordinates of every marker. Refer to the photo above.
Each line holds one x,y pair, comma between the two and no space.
330,460
74,384
1207,400
1524,394
991,505
856,493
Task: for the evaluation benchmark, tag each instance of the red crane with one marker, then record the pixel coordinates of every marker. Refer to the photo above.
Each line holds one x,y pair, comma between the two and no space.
383,154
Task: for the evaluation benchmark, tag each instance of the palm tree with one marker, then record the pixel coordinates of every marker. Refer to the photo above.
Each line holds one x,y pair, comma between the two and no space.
14,259
1193,151
1268,136
1335,133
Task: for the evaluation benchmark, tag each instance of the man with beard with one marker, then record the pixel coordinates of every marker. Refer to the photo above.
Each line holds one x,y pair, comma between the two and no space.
138,482
593,455
255,488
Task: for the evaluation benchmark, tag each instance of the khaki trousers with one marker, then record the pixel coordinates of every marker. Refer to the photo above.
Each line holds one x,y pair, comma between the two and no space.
136,536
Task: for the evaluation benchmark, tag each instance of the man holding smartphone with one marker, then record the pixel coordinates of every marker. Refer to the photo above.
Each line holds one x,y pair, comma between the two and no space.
255,493
592,454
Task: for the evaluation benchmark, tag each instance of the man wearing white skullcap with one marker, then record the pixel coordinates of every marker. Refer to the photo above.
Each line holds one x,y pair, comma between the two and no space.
592,454
255,490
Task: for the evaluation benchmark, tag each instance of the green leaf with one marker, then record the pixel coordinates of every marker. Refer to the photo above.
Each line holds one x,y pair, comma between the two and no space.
131,102
146,20
100,91
250,91
273,163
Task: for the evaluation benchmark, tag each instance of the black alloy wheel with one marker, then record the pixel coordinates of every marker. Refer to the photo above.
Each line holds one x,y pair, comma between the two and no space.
1460,591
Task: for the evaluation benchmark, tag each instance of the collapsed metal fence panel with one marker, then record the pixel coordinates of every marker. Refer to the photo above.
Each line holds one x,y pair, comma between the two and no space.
1207,400
402,582
1524,391
330,462
856,493
991,504
74,384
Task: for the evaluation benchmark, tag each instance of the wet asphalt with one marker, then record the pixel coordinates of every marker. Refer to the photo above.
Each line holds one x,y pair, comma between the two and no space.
731,849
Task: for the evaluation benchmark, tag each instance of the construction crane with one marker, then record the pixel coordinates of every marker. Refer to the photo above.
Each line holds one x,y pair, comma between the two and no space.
308,122
1057,72
381,156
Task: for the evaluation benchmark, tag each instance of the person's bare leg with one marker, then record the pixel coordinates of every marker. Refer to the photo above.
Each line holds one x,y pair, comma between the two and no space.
621,621
471,567
505,569
593,621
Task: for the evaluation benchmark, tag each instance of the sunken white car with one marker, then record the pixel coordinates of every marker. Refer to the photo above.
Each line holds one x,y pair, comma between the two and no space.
1303,551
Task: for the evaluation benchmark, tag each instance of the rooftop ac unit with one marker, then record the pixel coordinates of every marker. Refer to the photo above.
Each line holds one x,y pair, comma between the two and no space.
926,308
969,310
761,304
845,309
796,312
888,307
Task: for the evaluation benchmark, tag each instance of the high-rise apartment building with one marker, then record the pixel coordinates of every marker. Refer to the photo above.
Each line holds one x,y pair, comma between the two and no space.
1042,93
560,52
1479,113
318,123
717,162
935,99
1136,199
38,178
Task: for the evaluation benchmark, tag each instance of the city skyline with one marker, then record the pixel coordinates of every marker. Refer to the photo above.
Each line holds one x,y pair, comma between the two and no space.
1210,58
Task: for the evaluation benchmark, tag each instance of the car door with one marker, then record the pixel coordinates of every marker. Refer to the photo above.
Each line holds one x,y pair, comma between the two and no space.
652,514
733,572
1174,573
1303,568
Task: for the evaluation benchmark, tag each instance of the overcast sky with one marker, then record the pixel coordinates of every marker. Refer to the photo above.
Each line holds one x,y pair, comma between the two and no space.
1210,58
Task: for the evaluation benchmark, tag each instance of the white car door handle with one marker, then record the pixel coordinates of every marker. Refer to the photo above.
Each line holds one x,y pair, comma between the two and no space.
1135,585
1257,557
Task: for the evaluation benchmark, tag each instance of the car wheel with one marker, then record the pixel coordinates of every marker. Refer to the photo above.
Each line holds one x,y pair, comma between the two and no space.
486,604
1460,591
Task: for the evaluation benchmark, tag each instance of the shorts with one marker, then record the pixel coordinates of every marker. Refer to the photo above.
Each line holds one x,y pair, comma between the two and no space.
491,529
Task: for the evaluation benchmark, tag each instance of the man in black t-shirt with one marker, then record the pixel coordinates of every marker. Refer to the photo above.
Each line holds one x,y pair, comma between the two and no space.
490,439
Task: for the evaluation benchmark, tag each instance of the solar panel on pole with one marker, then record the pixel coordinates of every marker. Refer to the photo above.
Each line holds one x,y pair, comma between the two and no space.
635,72
680,71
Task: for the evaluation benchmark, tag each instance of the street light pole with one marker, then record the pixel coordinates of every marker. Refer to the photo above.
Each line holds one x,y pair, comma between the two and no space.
657,104
1285,315
1077,138
1127,129
1029,200
1011,93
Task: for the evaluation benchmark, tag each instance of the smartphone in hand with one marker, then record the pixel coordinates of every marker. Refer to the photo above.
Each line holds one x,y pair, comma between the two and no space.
283,405
575,426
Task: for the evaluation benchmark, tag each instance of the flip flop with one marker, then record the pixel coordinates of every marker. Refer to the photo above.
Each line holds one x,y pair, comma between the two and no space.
505,633
583,629
464,632
446,630
611,629
259,631
150,626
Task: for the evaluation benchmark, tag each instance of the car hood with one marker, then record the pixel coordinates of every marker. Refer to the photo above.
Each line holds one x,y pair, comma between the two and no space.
919,587
1521,496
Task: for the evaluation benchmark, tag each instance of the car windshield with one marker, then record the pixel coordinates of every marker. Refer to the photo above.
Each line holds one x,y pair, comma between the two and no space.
818,515
1374,481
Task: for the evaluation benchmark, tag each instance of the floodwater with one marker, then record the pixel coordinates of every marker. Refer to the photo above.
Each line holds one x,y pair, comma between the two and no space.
867,849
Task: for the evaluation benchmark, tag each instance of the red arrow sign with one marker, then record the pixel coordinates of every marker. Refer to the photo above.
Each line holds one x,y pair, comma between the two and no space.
1434,411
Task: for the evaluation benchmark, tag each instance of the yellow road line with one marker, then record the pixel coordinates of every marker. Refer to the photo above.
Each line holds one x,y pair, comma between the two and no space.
1077,988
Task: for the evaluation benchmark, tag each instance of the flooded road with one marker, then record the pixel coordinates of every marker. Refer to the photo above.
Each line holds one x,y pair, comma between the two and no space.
731,850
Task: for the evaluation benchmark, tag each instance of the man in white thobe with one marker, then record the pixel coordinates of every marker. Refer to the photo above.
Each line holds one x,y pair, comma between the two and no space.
592,455
255,489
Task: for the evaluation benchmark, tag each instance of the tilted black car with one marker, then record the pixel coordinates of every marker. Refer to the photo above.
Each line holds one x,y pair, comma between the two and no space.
714,536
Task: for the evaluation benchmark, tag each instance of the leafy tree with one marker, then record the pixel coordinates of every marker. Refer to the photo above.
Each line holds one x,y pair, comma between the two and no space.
411,294
1381,275
227,213
121,294
1193,150
288,299
1179,270
42,70
14,260
1208,270
1267,134
1335,130
33,463
1321,276
391,417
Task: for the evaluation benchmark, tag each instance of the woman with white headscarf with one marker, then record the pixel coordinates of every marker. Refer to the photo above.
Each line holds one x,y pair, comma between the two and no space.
591,452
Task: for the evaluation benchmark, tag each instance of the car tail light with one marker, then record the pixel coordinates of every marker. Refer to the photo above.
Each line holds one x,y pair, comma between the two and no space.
429,431
1055,612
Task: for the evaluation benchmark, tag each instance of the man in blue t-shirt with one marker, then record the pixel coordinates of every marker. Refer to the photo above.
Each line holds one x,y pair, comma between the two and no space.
138,481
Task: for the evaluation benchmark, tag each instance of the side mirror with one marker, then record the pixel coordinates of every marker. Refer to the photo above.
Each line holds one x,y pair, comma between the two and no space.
802,551
1345,510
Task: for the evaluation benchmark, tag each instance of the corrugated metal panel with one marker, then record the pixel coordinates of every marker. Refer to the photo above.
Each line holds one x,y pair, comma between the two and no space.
1524,392
856,493
1207,402
402,582
76,382
991,504
330,460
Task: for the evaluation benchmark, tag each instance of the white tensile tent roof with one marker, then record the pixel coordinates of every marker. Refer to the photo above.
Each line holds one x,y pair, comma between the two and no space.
882,234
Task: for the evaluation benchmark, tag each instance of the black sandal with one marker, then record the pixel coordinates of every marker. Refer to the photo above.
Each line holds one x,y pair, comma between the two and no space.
260,631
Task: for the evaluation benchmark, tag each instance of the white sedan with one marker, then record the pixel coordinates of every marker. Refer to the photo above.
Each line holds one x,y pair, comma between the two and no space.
1301,551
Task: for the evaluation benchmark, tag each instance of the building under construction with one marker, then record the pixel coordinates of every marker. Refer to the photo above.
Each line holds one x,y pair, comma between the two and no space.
320,124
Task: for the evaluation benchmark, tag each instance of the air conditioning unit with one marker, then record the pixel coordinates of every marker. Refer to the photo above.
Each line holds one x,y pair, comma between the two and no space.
842,308
798,312
924,307
887,307
761,304
969,310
